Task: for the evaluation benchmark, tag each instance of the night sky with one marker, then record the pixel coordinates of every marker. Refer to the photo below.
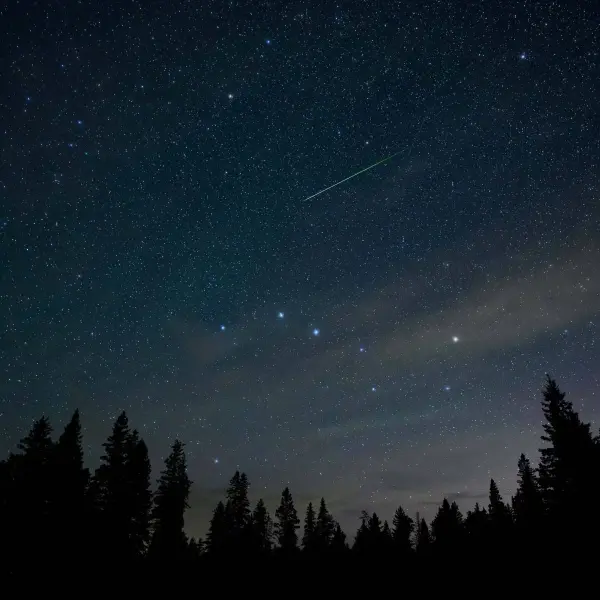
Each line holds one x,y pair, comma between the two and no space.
382,343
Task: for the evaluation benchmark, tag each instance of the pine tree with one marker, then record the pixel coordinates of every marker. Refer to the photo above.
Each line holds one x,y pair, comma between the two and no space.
218,532
403,527
447,527
120,494
423,539
362,539
338,542
170,503
239,504
34,506
324,527
527,504
262,528
139,472
476,528
287,523
309,542
70,484
568,466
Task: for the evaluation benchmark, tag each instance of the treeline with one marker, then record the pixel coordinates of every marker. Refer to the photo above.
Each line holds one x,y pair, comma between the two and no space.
53,508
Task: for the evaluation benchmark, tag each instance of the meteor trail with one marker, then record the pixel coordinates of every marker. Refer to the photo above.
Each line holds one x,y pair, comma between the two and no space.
351,176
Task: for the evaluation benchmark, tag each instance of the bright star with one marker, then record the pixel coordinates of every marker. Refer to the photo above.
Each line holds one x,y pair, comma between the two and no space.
455,338
523,56
280,315
268,42
216,461
446,388
361,349
79,122
373,389
316,331
230,96
222,327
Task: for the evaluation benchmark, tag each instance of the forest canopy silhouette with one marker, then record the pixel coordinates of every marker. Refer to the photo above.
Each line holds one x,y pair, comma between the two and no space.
52,505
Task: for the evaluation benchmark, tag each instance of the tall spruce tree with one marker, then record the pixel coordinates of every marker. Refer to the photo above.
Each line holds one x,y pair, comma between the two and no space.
447,528
217,540
423,539
139,472
35,493
324,528
70,484
262,528
170,503
121,494
309,542
567,463
287,523
238,511
338,542
402,531
527,504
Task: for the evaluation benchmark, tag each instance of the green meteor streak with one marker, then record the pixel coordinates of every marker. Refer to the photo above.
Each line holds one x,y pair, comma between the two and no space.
351,176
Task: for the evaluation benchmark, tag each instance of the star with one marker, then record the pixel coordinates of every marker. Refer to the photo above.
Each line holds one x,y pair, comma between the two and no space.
455,339
362,349
280,315
268,42
230,96
373,389
79,122
222,327
446,388
216,461
316,331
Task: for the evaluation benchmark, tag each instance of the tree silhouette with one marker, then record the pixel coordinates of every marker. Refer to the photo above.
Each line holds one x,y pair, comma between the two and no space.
121,494
309,542
70,481
238,512
423,539
287,523
325,528
447,527
218,532
527,504
402,531
338,542
170,503
262,528
35,494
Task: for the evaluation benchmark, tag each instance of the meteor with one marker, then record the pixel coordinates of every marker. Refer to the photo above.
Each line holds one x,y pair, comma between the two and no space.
351,176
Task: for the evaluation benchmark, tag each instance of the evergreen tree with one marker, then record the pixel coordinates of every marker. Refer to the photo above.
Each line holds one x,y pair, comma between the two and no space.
423,539
309,542
262,528
121,494
139,472
447,527
362,538
338,542
218,532
170,503
527,505
402,531
568,465
70,485
287,523
476,528
34,493
324,528
238,503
